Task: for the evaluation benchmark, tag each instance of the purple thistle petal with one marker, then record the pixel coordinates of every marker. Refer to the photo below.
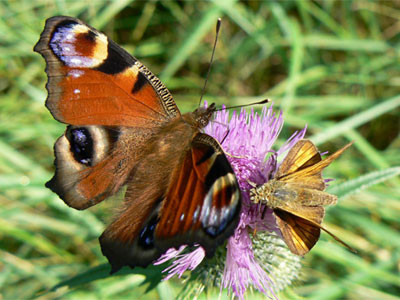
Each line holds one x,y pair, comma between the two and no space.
250,135
298,135
182,262
170,254
241,268
250,138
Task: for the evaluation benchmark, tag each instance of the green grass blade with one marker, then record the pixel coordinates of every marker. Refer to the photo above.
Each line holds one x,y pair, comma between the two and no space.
363,182
356,120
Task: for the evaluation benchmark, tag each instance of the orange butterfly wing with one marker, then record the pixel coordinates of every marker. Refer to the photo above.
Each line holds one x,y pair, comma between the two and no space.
301,227
301,155
300,234
200,204
303,165
93,81
202,200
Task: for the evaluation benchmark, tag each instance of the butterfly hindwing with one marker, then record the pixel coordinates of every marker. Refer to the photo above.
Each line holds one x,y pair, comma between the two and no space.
199,204
81,153
129,239
301,227
203,200
300,233
93,162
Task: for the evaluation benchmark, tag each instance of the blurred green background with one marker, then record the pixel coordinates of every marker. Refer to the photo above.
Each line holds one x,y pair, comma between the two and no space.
334,65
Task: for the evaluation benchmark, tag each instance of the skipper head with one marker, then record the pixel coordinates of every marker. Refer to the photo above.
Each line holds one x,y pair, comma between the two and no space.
260,194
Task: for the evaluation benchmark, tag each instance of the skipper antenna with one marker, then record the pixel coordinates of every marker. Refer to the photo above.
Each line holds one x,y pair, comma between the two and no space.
217,28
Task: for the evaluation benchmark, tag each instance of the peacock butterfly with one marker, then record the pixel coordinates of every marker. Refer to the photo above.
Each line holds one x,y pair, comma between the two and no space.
124,129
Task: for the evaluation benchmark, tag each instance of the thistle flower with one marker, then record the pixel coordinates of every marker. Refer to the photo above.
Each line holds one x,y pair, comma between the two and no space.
260,261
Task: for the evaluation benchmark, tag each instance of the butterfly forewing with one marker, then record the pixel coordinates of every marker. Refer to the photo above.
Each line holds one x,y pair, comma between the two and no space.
93,81
299,233
312,213
301,155
311,176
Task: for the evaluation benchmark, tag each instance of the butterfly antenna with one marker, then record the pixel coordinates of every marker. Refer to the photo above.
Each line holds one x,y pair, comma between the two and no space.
237,106
212,58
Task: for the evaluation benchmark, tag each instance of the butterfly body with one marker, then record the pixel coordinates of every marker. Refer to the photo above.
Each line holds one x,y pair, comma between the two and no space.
124,129
296,195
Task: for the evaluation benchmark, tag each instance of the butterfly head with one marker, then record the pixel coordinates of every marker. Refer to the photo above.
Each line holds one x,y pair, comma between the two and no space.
202,115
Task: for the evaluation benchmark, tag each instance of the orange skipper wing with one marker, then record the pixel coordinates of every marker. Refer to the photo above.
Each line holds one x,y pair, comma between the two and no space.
308,166
300,234
301,227
302,155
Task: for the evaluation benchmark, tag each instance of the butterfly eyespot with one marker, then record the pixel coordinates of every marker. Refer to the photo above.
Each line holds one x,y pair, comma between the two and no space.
78,46
146,236
90,36
216,230
81,145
